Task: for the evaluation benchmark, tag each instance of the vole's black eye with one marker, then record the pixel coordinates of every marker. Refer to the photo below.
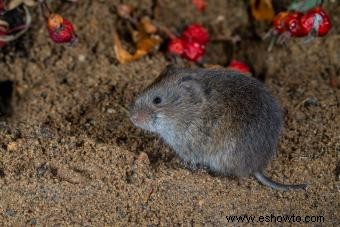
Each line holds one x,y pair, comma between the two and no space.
157,100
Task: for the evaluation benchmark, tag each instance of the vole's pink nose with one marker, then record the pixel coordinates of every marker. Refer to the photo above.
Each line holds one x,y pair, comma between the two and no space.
138,118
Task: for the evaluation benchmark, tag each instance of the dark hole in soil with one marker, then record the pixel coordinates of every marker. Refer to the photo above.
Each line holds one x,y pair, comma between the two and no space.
54,171
337,171
6,91
2,173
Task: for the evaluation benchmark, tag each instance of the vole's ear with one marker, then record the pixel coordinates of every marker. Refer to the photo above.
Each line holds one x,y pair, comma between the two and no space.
192,87
167,72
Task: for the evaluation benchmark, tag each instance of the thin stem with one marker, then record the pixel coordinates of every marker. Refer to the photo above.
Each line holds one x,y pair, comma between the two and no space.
166,30
44,9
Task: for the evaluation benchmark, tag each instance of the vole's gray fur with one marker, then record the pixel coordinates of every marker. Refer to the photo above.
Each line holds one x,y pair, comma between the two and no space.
220,119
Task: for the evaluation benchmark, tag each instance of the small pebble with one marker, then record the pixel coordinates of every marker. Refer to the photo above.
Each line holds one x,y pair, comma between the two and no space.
10,213
81,58
33,221
201,202
42,169
110,110
143,158
12,146
311,101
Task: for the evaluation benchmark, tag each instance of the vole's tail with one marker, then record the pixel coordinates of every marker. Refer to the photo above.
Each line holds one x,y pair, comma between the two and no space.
278,186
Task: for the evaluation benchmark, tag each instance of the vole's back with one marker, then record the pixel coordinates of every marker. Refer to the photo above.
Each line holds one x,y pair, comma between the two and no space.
241,123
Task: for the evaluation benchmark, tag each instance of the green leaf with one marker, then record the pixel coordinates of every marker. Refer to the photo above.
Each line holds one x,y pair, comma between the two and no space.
304,5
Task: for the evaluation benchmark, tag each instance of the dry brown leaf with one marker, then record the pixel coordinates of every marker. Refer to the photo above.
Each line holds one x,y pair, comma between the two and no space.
262,10
144,46
144,39
147,26
148,43
122,55
136,35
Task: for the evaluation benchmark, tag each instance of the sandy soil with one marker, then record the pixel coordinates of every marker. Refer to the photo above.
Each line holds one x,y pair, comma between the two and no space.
70,156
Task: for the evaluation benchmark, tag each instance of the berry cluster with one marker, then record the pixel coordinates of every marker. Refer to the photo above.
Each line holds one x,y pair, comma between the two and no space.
191,44
315,22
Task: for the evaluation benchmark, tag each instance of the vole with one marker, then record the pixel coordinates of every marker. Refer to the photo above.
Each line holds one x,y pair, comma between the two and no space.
220,119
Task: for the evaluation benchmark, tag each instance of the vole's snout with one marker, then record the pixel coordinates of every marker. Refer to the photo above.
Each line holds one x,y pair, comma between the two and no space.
139,118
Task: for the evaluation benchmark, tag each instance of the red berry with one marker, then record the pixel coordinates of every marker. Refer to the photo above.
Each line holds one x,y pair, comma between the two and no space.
199,4
308,21
193,51
54,21
278,22
239,66
196,33
61,31
176,46
293,25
